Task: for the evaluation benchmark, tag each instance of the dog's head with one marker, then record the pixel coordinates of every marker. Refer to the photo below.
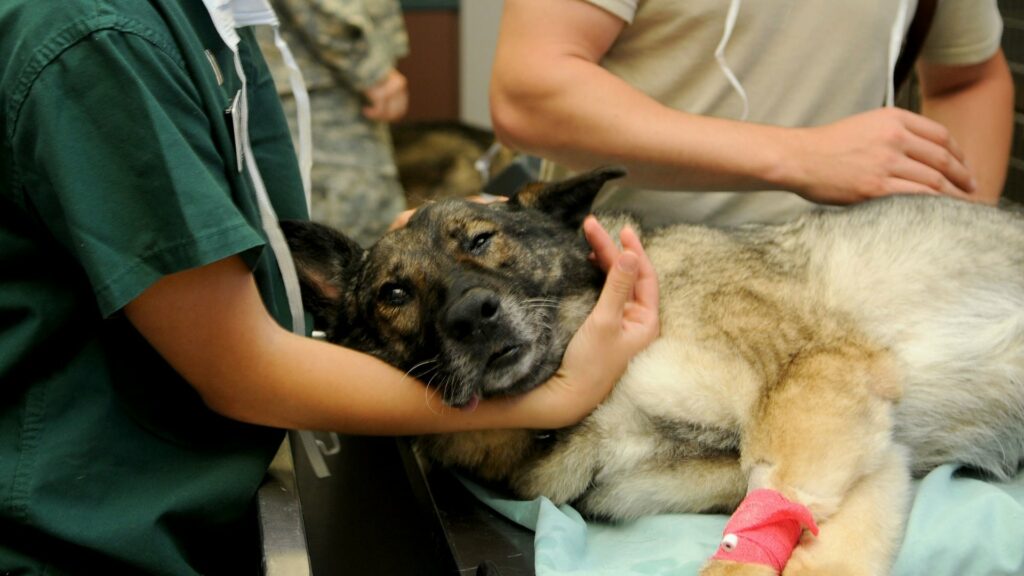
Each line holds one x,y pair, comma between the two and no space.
474,299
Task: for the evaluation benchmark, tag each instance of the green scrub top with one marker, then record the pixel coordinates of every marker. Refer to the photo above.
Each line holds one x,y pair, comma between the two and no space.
118,167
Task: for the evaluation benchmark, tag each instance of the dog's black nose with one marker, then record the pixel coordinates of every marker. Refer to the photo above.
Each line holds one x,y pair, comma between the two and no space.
472,313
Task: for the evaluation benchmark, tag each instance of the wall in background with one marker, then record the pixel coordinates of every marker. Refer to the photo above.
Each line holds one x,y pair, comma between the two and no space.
478,38
449,66
1013,45
432,66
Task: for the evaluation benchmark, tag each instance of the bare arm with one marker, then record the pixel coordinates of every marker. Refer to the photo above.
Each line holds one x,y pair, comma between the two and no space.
976,104
210,324
550,97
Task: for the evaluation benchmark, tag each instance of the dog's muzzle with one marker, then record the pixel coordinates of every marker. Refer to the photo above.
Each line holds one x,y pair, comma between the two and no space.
473,315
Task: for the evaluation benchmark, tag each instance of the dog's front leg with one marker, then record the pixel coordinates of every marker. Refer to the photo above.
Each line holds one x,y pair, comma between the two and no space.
868,526
818,445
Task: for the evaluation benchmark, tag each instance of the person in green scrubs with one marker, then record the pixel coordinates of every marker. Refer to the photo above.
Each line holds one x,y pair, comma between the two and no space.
146,378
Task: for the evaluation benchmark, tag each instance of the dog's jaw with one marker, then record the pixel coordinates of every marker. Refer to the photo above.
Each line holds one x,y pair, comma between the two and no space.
523,355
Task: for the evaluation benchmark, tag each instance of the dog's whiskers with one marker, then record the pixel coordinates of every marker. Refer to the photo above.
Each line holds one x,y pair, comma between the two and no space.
432,391
431,365
548,299
447,385
429,392
541,302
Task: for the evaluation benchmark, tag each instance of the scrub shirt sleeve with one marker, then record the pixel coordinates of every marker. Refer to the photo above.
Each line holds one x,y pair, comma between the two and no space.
963,32
115,153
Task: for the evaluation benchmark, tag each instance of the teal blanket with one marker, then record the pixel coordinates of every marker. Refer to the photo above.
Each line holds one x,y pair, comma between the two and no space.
959,526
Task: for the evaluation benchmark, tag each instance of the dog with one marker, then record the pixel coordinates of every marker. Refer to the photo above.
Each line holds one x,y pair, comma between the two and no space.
830,358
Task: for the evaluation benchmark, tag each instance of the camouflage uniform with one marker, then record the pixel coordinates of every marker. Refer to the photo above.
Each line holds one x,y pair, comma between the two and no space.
344,47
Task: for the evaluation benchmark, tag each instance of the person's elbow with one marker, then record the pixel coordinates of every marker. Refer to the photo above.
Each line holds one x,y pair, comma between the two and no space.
528,107
511,119
231,404
244,380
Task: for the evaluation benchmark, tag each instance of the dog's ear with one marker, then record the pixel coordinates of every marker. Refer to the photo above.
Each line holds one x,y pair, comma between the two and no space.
326,260
568,200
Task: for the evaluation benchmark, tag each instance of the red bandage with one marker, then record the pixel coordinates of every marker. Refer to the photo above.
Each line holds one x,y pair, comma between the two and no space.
764,530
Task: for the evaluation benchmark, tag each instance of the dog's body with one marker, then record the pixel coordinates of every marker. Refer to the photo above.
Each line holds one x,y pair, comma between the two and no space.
827,358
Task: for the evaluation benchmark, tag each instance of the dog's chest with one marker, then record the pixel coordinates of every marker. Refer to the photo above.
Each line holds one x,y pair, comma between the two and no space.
674,402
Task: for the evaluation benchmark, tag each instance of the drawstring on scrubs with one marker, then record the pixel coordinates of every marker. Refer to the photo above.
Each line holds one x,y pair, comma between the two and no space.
730,25
896,36
228,15
302,108
899,31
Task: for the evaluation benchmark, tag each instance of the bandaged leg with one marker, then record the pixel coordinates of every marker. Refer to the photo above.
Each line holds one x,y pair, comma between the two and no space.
764,530
821,430
863,536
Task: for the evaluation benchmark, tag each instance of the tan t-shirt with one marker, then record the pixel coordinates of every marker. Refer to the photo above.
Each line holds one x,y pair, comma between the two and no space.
800,62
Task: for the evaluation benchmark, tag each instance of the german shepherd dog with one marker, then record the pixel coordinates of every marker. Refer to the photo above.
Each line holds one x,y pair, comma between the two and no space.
830,358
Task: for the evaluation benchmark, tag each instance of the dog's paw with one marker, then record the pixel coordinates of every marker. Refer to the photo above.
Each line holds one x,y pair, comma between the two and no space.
727,568
809,562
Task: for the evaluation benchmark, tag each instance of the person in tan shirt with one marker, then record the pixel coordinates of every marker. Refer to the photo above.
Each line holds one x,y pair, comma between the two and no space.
753,111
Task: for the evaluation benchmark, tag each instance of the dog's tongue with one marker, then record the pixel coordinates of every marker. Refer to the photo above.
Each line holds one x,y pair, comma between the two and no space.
472,404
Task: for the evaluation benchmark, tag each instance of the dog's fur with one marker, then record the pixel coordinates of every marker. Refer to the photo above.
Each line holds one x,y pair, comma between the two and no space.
828,358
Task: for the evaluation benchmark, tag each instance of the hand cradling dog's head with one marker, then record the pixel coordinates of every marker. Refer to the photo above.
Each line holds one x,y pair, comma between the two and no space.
474,299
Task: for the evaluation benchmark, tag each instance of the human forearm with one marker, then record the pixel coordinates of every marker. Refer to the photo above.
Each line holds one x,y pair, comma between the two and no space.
580,115
976,105
588,118
550,97
209,323
302,383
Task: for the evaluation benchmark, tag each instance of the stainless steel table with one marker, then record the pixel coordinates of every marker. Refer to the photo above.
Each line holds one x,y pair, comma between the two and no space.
381,511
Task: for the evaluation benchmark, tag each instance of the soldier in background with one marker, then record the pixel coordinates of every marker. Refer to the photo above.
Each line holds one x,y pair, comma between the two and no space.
347,51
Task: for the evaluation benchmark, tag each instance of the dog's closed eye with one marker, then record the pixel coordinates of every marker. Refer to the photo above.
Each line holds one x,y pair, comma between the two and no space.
478,243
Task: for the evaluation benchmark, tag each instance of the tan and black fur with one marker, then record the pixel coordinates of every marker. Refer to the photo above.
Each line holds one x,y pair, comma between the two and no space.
830,358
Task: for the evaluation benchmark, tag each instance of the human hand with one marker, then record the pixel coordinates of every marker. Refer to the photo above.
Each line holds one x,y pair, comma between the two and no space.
402,219
388,100
877,153
605,251
623,322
